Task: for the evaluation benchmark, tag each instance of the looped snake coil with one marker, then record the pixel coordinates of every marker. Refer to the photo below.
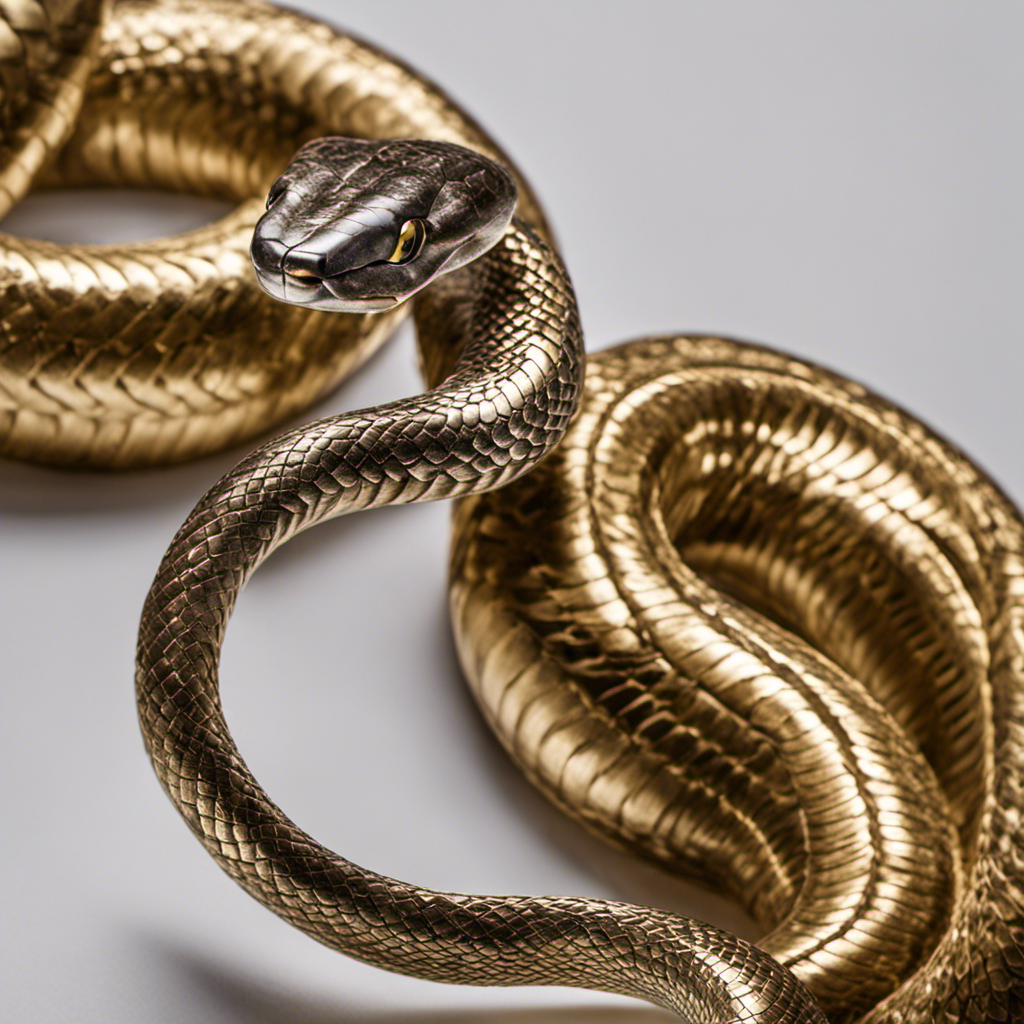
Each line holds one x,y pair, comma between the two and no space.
749,619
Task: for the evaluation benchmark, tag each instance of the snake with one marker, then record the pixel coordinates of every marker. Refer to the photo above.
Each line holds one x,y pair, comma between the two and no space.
730,610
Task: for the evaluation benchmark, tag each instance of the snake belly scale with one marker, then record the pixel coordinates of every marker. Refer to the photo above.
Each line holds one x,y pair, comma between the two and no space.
748,619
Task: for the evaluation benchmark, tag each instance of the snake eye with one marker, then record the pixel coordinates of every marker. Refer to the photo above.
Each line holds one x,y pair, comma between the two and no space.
274,194
410,241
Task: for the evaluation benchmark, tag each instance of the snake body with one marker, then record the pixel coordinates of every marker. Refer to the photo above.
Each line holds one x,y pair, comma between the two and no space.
748,619
721,624
127,356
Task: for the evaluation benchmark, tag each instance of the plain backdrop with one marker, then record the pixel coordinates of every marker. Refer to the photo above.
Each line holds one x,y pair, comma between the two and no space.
840,180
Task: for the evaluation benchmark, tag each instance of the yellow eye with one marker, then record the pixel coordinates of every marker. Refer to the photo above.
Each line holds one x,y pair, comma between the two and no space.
410,241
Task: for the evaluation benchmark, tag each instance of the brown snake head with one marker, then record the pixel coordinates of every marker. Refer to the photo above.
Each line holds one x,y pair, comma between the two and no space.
356,226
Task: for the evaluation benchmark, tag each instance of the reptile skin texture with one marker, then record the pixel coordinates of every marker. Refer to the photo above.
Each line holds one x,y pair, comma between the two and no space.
733,612
164,350
46,52
761,626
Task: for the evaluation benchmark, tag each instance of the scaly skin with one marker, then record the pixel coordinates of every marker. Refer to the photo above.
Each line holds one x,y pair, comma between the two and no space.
164,350
650,694
618,614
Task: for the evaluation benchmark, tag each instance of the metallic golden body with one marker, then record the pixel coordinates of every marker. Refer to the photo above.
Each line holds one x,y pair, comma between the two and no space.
664,622
123,356
47,48
718,624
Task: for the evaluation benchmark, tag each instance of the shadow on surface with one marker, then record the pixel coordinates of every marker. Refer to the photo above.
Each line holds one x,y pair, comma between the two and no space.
45,492
241,996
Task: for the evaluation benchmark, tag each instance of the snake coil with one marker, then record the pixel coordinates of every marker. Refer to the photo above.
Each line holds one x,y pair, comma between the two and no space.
749,620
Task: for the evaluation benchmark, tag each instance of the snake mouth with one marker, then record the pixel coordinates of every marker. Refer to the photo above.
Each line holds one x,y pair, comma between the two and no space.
312,292
374,287
302,274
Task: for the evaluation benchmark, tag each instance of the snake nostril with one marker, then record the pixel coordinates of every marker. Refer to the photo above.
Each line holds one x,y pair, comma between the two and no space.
267,253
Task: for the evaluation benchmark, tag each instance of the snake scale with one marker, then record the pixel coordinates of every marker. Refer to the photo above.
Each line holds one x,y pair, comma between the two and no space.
746,619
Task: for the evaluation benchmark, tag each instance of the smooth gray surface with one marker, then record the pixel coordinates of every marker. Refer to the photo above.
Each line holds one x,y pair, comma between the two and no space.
843,182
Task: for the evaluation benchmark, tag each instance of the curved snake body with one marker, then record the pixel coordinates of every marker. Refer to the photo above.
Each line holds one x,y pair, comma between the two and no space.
719,625
771,632
127,356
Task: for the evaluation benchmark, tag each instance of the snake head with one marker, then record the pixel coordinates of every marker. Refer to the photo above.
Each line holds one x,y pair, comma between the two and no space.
357,226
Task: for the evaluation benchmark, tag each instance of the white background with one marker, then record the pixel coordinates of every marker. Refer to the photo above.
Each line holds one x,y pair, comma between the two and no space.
843,181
